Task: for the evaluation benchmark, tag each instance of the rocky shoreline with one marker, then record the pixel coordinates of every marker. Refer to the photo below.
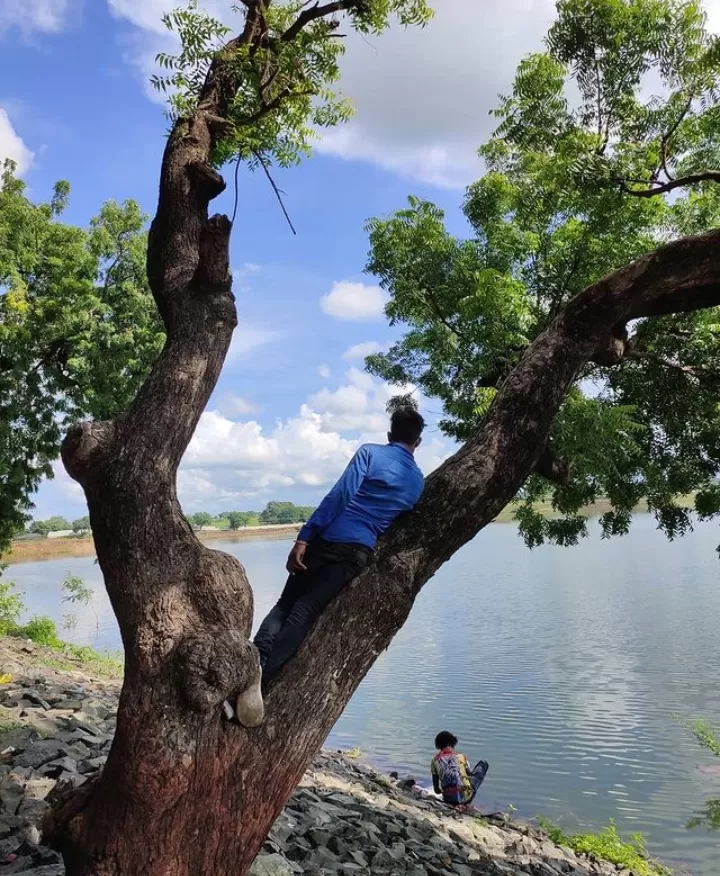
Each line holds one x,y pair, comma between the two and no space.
345,818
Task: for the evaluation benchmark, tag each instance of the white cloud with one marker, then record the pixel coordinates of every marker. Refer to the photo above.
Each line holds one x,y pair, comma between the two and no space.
423,96
354,302
249,337
232,405
324,371
151,36
46,16
362,351
241,463
712,8
11,144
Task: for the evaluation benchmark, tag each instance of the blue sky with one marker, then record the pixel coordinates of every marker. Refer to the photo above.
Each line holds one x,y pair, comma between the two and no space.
293,401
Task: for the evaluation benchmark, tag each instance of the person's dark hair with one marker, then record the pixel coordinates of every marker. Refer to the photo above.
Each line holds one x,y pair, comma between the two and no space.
406,426
445,740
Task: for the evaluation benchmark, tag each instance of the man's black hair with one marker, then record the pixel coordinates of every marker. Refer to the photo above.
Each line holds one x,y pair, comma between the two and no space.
445,740
406,426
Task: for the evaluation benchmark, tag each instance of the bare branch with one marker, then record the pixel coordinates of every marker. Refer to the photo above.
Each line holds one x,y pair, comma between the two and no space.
701,375
316,12
657,188
278,193
667,136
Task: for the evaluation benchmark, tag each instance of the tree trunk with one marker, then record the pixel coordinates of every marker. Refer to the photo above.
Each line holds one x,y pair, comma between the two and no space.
183,792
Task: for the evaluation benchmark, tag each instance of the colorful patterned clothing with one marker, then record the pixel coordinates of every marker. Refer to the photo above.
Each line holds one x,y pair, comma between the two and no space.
450,772
452,776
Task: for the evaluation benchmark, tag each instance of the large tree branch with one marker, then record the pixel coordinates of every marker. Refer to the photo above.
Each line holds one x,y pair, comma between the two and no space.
188,251
468,491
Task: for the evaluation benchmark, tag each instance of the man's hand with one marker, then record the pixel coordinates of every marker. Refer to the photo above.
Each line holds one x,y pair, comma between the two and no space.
295,560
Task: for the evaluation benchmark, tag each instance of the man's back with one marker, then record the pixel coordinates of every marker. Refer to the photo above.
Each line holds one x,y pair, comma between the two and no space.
451,775
380,483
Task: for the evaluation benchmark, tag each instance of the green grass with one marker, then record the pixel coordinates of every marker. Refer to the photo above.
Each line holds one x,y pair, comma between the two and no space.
9,727
705,735
608,845
109,665
64,657
43,631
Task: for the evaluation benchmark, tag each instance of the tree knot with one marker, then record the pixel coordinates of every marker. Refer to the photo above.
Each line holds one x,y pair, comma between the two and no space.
85,447
214,665
207,181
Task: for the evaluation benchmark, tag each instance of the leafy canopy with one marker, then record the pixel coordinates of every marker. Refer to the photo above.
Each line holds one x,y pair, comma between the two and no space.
585,172
78,331
284,86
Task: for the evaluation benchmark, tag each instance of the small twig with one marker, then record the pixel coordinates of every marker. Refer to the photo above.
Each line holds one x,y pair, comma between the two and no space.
278,193
235,205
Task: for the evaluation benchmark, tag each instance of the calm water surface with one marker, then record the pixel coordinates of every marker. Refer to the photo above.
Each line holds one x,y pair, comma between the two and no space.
564,668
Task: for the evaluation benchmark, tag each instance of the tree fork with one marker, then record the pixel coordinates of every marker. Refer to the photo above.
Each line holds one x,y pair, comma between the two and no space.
184,793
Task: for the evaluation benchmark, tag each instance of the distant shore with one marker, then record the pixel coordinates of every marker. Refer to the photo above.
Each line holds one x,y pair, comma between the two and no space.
34,550
38,549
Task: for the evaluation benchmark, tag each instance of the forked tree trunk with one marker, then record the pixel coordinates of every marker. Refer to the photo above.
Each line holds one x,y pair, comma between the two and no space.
183,792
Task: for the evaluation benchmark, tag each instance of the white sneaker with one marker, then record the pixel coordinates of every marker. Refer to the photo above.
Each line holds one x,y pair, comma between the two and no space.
249,707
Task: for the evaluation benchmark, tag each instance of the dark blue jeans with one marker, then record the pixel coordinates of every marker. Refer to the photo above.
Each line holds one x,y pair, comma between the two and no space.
477,777
330,567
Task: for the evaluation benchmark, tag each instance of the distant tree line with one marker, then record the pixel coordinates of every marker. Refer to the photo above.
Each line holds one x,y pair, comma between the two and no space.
274,513
59,524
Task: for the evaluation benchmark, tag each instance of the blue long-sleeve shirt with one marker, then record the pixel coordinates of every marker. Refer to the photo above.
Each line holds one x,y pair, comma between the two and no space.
380,482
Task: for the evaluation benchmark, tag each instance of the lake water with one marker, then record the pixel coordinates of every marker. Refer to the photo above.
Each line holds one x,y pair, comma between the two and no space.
564,668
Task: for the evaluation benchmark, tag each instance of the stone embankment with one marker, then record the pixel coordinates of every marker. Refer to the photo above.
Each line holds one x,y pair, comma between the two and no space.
345,819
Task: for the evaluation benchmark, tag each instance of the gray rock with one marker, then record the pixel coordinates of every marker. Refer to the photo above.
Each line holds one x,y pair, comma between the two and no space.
55,768
270,865
39,753
32,810
323,859
21,864
359,858
318,837
85,723
47,870
338,845
9,824
38,700
74,736
12,792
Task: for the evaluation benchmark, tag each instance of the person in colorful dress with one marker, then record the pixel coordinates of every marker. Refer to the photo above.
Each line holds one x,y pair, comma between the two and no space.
451,773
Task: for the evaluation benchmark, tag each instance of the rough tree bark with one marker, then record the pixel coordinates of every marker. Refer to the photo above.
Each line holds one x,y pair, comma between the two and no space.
183,792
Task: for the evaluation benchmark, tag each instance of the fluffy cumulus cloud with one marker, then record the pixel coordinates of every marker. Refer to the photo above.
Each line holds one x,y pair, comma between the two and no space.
363,350
232,405
238,462
149,36
31,16
250,337
354,302
422,96
11,144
